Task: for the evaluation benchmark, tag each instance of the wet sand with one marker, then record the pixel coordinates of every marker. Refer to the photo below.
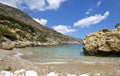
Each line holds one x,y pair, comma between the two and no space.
10,58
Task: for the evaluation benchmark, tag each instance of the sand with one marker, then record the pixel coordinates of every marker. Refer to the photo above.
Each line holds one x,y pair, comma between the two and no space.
11,58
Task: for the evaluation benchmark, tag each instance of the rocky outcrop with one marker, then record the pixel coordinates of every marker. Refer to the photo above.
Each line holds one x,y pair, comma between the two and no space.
7,45
103,42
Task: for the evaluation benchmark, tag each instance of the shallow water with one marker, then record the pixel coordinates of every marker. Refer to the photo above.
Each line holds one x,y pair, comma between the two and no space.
62,53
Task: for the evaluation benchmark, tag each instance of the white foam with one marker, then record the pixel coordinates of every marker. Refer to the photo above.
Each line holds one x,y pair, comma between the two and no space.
29,53
18,54
88,62
53,63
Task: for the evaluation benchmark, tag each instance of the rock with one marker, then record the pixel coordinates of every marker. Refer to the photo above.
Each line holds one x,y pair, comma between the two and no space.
0,45
23,72
31,73
97,74
71,74
117,26
6,73
22,44
103,43
36,43
8,45
84,75
7,69
20,72
1,59
1,75
52,74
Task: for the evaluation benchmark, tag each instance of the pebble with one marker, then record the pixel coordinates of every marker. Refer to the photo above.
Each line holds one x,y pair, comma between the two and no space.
31,73
7,69
84,75
52,74
1,75
20,72
1,59
24,72
6,73
71,74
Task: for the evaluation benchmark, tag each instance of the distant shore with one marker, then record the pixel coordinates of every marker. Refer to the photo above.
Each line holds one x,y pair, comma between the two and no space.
12,59
9,45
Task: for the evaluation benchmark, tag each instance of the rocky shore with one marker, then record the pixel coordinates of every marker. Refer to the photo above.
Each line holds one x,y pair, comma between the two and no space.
103,43
9,45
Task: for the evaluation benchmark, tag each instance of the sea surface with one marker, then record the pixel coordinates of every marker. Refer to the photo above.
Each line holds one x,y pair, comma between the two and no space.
63,53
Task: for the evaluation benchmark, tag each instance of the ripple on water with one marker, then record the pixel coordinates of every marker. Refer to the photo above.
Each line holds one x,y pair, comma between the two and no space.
62,53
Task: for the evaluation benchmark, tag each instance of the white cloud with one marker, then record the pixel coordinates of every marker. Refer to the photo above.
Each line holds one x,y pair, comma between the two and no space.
89,11
98,3
40,5
86,22
35,4
13,3
64,29
54,4
41,21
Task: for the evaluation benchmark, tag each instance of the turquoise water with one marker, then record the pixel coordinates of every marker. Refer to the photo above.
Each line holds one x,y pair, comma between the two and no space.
62,52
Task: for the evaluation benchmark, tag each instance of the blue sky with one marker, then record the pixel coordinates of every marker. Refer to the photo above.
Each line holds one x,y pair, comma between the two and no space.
75,18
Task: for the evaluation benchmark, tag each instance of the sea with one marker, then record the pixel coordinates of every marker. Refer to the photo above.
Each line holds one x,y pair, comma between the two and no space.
63,53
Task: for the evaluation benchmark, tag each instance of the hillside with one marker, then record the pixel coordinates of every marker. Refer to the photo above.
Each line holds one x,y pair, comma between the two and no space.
16,25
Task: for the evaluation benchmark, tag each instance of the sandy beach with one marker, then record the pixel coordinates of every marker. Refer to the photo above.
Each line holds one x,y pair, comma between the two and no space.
11,58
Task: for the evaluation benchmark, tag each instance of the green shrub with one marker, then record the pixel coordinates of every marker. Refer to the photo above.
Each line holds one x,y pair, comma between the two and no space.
24,27
7,33
42,38
21,34
1,39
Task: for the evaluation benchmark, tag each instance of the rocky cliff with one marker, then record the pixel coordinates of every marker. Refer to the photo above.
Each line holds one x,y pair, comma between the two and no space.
103,43
18,29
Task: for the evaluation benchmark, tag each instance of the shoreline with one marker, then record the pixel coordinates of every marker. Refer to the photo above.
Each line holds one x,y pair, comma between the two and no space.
10,58
22,44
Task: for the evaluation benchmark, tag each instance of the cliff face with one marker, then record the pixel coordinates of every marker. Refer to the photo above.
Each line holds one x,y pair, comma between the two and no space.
20,29
103,43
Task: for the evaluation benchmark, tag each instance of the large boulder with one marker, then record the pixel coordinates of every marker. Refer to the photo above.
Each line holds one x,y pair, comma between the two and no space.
7,45
103,42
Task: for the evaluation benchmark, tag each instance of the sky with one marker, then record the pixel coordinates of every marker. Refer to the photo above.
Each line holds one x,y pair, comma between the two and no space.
76,18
